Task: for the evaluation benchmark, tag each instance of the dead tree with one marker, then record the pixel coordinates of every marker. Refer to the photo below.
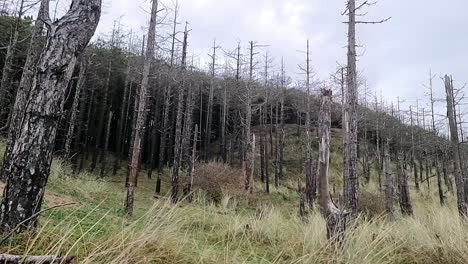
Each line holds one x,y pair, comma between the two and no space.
141,114
167,105
282,136
350,187
455,145
413,148
249,139
389,189
403,189
335,220
209,114
435,134
74,108
123,118
178,146
309,164
27,163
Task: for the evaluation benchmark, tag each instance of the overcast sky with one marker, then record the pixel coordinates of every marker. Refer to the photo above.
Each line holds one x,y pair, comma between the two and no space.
395,56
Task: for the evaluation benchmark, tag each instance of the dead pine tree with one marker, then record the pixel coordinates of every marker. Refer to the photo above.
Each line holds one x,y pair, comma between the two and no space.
455,145
309,159
28,160
413,149
74,108
282,136
209,113
123,118
141,114
249,139
334,216
350,186
435,133
403,189
178,142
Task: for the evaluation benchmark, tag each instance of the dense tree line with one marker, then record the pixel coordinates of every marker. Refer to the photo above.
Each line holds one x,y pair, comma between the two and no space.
124,103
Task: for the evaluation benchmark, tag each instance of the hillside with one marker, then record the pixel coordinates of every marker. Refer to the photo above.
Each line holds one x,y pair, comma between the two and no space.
95,230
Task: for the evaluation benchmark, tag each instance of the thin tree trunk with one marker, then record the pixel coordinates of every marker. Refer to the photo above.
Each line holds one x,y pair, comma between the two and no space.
389,189
123,112
462,209
74,108
141,114
350,172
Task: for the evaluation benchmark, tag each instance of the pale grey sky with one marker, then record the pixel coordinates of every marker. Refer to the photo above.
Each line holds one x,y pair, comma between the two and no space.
396,56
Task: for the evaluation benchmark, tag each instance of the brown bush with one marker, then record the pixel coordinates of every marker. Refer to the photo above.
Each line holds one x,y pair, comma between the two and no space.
216,179
371,204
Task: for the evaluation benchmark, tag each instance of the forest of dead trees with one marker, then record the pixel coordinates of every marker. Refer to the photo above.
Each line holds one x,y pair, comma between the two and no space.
127,103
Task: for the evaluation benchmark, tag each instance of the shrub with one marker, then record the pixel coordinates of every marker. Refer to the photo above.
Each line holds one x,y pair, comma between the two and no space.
371,204
216,179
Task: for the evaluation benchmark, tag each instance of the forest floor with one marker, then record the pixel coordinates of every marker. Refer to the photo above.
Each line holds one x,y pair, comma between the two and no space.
95,229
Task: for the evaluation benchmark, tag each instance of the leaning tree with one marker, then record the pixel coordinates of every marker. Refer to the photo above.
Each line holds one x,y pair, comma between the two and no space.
29,156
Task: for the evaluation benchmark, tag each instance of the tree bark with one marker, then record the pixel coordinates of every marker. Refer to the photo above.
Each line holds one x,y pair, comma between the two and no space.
462,209
28,162
350,172
335,220
389,189
141,114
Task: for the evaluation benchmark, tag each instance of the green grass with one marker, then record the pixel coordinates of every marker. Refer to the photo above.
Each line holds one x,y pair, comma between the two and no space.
96,230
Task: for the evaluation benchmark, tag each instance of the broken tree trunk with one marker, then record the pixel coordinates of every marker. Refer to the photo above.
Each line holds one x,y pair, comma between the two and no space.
15,259
334,217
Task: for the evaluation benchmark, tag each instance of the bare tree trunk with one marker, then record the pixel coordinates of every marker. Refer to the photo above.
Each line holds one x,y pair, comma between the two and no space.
106,144
74,108
141,115
123,118
350,172
334,217
462,210
86,130
209,114
192,164
309,169
389,189
28,162
413,160
177,145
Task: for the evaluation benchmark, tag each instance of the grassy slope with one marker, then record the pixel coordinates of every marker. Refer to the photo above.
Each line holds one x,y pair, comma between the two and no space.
96,231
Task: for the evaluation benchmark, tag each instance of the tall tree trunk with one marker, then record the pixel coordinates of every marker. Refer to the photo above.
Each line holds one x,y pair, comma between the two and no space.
389,189
123,118
28,162
309,169
462,209
141,115
74,108
350,172
334,217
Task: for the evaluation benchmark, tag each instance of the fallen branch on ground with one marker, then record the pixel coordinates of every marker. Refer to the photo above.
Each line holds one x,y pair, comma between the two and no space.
13,259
